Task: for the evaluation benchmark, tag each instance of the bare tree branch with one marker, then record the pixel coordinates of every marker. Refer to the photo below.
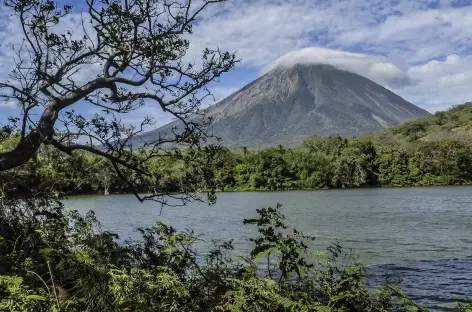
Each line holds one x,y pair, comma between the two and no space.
132,54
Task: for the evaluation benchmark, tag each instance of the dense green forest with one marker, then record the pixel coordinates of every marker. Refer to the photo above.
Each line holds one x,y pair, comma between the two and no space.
435,150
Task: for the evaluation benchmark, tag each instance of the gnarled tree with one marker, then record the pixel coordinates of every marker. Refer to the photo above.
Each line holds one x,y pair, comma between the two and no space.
126,54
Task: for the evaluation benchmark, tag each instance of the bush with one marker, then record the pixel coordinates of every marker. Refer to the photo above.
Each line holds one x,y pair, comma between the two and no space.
53,260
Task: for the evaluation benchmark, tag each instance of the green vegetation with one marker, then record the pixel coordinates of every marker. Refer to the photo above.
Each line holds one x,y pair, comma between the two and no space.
54,260
434,150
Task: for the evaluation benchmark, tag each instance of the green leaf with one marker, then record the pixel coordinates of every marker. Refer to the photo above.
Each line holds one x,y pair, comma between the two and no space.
47,251
36,297
39,231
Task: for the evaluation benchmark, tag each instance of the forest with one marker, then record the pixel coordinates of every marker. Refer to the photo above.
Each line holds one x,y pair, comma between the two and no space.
434,150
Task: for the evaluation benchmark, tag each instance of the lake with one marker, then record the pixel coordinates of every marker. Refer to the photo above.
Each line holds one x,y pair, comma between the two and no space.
422,234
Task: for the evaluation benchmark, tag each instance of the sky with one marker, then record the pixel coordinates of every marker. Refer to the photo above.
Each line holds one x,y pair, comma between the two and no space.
421,50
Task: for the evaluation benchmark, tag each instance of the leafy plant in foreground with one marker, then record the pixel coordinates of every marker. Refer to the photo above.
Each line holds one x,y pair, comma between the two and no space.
54,260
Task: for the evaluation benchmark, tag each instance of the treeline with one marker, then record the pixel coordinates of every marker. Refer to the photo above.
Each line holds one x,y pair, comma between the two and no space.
324,163
434,150
84,173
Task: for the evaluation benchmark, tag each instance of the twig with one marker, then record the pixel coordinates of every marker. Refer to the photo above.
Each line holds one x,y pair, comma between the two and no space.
45,285
54,287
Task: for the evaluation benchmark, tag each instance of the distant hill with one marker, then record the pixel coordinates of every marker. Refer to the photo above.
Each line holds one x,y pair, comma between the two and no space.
288,105
454,124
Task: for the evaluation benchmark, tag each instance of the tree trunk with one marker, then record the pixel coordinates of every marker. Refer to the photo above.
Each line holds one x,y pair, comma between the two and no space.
28,147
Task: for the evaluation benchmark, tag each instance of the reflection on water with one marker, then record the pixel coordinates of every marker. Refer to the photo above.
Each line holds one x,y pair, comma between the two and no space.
406,230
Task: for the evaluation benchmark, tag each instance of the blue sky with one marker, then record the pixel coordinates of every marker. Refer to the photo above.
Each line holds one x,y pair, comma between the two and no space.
422,50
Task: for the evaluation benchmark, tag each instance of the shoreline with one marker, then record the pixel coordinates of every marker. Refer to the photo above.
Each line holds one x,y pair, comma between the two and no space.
283,190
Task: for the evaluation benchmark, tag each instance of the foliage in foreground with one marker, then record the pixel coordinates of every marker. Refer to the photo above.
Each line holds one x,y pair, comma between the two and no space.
53,260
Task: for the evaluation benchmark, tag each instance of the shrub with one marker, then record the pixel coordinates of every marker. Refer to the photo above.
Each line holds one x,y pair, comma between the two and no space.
54,260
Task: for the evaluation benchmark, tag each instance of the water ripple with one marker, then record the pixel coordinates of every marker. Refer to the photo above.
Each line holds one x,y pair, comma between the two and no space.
434,284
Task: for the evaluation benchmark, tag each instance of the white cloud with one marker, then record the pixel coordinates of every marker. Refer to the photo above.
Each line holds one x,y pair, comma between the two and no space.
10,35
393,43
392,40
417,36
376,68
442,83
262,30
12,38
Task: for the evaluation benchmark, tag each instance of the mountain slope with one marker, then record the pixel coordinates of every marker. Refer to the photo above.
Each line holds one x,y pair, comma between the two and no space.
287,105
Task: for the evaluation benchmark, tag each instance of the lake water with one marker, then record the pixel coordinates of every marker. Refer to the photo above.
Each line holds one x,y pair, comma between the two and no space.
422,234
